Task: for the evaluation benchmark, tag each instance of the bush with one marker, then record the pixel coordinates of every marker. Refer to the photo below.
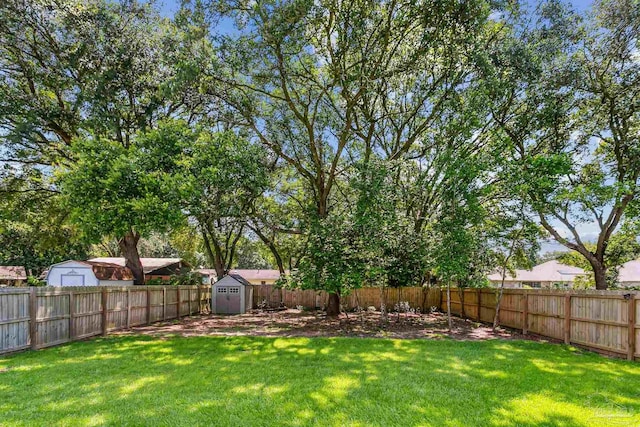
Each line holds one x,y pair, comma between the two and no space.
190,278
34,281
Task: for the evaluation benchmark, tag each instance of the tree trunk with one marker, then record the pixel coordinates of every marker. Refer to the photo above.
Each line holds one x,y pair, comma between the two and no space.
333,308
129,249
383,304
600,275
272,247
496,318
449,306
214,256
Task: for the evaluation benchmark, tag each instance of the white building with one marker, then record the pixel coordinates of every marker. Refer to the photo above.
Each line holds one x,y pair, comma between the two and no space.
551,274
88,273
629,273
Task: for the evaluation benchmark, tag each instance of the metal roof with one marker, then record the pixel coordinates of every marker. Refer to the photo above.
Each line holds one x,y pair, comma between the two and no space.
12,272
550,271
148,264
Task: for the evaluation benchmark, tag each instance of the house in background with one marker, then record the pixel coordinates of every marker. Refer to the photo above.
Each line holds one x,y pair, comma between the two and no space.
12,275
629,274
257,277
153,268
254,277
88,273
551,274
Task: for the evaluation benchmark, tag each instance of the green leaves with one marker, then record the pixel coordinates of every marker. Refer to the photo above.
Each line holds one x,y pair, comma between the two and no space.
111,190
571,125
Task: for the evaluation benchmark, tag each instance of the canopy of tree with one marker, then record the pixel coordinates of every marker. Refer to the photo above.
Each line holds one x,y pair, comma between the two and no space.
375,143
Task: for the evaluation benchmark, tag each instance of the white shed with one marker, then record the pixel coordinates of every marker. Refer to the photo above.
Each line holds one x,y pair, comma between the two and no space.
231,295
88,273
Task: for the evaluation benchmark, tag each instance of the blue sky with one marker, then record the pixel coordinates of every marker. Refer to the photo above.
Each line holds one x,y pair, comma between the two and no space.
168,7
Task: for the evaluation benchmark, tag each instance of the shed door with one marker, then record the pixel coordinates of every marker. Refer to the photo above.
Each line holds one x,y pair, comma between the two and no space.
233,298
72,280
222,300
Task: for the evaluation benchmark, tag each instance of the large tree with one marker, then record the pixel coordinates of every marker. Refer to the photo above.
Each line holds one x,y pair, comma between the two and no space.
327,84
76,69
214,178
569,117
113,191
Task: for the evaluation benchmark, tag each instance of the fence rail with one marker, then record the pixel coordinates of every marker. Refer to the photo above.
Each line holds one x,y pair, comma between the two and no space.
417,297
604,321
42,317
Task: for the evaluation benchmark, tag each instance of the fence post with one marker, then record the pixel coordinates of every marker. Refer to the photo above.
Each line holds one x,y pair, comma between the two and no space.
179,302
72,312
525,312
632,328
164,303
567,318
148,306
104,312
33,313
128,308
479,302
199,299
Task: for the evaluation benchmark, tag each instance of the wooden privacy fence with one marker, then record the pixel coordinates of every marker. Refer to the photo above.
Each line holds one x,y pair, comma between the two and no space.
42,317
605,321
418,297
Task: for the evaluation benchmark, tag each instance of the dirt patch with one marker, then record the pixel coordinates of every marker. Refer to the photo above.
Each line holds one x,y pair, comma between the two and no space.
297,323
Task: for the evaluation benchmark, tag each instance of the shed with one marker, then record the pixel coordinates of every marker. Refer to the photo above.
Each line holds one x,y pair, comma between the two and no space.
88,273
231,295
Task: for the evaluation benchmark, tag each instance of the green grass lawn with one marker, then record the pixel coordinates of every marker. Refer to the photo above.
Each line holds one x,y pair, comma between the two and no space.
136,380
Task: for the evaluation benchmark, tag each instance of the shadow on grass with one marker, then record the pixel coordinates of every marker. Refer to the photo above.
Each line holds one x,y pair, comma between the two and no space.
137,380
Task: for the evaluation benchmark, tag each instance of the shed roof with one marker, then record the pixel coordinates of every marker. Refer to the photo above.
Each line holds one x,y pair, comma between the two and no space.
629,272
241,280
12,272
148,264
550,271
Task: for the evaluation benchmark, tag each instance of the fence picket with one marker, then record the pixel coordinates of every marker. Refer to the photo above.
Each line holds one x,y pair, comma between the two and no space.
41,317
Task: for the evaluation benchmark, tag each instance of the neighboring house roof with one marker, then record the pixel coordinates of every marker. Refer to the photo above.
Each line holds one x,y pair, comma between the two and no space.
148,264
102,270
629,272
257,274
207,271
550,271
239,278
12,272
